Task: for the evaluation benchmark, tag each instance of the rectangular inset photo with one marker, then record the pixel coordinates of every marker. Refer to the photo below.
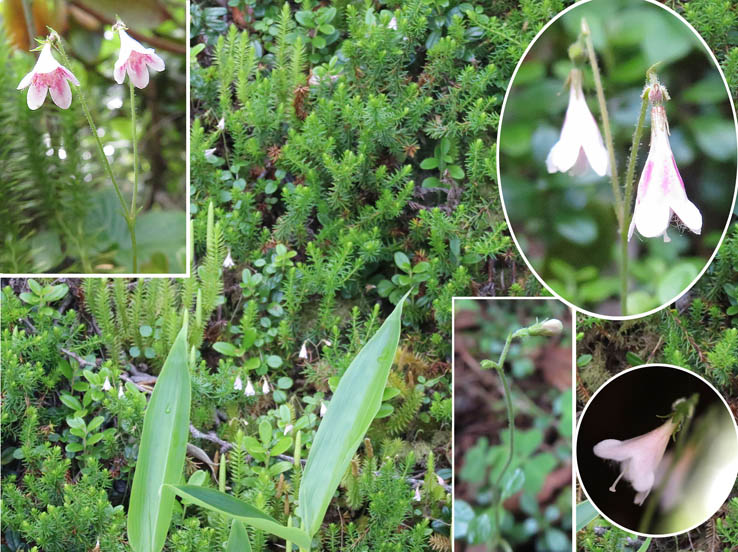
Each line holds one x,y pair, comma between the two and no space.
513,365
93,132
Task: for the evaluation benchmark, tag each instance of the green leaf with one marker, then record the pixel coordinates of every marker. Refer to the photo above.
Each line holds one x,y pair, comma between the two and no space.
402,261
70,401
54,293
35,287
162,451
353,406
512,483
230,506
238,541
585,514
429,163
225,348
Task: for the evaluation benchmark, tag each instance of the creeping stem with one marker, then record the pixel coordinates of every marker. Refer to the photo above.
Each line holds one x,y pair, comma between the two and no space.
629,174
128,215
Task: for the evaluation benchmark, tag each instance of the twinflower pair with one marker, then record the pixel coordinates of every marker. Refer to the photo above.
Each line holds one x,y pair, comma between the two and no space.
48,75
661,193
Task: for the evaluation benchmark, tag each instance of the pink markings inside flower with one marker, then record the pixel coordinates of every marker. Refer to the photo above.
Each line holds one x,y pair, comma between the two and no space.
134,60
580,142
48,75
661,192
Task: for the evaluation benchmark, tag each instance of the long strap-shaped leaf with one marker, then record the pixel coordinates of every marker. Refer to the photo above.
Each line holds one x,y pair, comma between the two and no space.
238,541
228,505
353,406
161,454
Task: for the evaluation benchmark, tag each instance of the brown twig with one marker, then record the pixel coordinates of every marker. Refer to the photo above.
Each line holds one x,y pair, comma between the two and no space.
156,41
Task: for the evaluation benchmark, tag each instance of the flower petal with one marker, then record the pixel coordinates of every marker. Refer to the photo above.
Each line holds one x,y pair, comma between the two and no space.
612,449
26,81
563,156
155,62
138,74
60,92
69,75
36,95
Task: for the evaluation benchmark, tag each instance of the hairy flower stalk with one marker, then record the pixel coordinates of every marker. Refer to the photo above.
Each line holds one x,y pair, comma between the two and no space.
661,194
48,75
547,327
580,143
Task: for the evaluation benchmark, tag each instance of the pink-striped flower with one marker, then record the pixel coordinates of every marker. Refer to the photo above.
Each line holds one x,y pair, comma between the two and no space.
48,75
580,142
134,60
661,193
639,457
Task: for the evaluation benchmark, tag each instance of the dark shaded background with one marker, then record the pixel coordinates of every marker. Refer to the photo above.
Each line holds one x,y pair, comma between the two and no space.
629,406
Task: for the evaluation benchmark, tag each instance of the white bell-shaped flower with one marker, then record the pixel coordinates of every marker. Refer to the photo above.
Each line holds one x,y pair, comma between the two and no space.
661,192
639,457
48,75
580,142
134,60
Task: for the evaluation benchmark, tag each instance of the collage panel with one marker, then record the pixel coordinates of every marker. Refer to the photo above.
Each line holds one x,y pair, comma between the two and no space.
667,388
513,424
93,129
617,156
368,276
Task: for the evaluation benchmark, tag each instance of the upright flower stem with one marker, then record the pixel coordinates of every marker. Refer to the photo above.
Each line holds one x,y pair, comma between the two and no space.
508,405
133,211
499,366
605,121
129,216
629,175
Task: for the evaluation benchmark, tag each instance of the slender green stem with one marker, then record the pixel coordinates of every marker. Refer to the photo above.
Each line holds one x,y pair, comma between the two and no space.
127,214
508,405
629,174
133,211
619,212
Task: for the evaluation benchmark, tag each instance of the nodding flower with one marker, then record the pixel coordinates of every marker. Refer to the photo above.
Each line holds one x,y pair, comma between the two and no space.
238,384
323,409
249,390
48,75
265,387
661,193
228,261
639,457
134,60
106,385
580,142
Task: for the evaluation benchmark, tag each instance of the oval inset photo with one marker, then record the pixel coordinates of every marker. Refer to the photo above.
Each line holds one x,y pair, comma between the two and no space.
657,450
617,157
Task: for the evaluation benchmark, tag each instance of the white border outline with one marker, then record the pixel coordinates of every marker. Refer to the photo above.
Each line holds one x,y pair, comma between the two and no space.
584,412
711,55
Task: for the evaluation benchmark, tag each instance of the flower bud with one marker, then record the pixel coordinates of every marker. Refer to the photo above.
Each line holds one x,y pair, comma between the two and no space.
552,326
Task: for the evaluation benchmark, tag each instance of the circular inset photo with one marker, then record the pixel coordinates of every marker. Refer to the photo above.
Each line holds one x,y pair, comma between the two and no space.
657,450
617,156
